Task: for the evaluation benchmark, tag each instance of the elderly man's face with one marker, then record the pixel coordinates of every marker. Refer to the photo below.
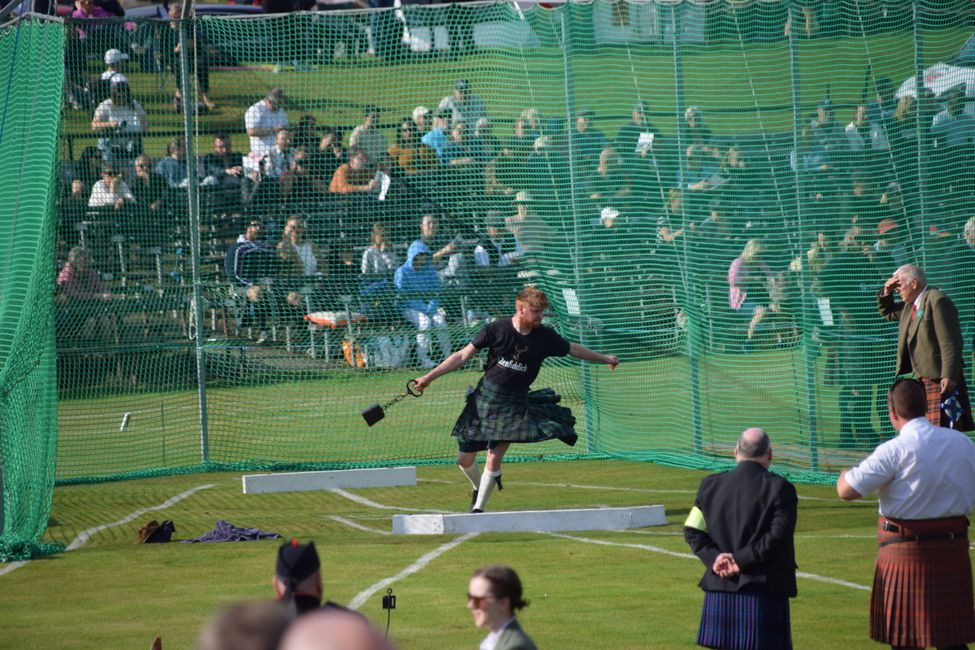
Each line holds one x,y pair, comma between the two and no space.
909,289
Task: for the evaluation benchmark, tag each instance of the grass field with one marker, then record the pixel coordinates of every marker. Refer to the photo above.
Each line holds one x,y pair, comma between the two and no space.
621,590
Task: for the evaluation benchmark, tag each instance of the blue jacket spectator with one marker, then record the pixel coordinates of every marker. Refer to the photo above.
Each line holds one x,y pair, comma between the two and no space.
417,281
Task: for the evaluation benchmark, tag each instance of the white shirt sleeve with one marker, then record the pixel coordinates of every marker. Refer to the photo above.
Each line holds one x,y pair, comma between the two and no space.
878,469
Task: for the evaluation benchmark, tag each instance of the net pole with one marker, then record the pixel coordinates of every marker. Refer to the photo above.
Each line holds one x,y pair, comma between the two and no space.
573,196
693,358
809,358
922,142
187,89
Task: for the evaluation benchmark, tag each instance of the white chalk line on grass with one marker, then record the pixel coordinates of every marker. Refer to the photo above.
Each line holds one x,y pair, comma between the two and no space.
86,535
358,526
424,560
372,504
691,556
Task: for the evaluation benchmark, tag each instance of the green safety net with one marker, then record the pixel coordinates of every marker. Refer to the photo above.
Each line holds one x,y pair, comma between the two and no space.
230,299
31,72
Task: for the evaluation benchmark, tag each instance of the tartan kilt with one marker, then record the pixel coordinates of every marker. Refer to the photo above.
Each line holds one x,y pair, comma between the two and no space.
937,417
922,590
745,620
494,413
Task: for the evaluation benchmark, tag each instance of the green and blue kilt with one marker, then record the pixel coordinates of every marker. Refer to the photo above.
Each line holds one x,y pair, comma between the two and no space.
745,620
494,413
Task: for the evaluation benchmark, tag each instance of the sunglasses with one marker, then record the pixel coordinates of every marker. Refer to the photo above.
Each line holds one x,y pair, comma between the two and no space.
478,600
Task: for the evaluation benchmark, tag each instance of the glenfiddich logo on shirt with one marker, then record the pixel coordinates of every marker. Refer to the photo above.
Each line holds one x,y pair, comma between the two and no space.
513,363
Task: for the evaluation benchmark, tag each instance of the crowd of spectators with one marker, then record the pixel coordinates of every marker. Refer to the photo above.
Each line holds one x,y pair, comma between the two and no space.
757,226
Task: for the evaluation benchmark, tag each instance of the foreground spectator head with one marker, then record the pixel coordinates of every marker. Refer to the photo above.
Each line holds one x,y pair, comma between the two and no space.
298,576
257,625
495,593
333,629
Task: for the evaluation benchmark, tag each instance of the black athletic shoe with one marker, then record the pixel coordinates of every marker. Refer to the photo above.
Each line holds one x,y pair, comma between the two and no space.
475,510
473,497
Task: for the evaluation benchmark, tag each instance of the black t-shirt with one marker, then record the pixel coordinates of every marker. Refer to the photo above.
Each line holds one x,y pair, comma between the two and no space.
514,359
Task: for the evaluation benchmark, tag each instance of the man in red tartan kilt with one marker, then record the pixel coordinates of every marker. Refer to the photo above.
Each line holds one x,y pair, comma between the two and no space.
502,409
925,481
929,345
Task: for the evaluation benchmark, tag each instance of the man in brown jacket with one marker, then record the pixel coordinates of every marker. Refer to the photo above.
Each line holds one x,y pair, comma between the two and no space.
929,345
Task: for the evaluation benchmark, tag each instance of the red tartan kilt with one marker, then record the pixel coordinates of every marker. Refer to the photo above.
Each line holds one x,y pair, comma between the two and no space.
922,590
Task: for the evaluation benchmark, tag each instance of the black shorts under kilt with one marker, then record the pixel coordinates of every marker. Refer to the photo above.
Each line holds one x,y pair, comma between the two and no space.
494,414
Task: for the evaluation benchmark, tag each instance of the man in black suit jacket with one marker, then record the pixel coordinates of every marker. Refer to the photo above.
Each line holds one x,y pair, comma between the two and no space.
742,527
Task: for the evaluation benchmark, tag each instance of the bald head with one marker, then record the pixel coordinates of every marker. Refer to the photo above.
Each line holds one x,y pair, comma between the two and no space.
333,629
753,444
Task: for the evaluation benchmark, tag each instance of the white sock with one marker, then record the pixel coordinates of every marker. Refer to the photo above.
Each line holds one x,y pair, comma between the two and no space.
487,485
473,474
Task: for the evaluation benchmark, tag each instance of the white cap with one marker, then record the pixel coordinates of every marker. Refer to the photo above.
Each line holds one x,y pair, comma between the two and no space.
608,214
420,111
114,56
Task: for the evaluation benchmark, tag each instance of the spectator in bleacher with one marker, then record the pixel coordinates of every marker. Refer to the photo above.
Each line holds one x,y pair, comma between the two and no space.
484,137
306,135
528,127
114,65
328,156
174,168
98,36
111,191
409,155
890,248
278,159
224,172
634,143
418,289
82,291
354,177
465,161
701,174
436,137
609,184
199,60
497,248
828,132
88,169
953,130
694,128
587,142
861,202
120,122
300,257
749,286
378,258
421,118
263,120
462,105
370,139
254,625
447,257
505,171
300,187
247,263
148,187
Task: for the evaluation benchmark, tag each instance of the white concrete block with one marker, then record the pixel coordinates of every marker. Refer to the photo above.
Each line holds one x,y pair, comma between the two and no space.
530,521
344,478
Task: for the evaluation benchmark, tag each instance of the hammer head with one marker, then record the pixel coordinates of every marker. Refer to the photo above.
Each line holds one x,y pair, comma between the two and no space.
373,414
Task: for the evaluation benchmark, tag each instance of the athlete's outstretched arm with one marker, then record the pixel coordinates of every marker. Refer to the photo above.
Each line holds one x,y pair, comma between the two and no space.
451,363
582,352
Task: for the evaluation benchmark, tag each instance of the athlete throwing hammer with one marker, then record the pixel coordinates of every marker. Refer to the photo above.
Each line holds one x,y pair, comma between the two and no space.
502,410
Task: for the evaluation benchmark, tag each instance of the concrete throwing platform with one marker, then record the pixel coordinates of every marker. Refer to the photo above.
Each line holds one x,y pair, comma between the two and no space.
344,478
530,521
